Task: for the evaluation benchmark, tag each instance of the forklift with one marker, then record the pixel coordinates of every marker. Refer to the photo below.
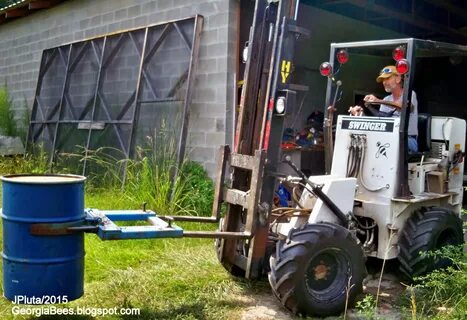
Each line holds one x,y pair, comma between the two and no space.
376,200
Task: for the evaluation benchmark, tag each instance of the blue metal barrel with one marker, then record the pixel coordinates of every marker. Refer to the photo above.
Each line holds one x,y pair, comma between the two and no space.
47,265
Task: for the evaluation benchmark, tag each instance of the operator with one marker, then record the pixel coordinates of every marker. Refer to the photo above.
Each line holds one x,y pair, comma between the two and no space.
393,84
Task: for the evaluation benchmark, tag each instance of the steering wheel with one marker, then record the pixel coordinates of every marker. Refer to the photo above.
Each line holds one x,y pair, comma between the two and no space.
368,106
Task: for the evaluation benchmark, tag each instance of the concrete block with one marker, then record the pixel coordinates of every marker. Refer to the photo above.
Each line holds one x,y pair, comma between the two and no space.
165,4
11,146
127,24
211,168
215,139
113,27
141,21
78,35
207,65
149,7
218,78
220,125
197,139
208,8
218,19
121,14
188,11
203,124
22,41
179,3
156,17
203,153
134,11
206,95
108,17
173,14
89,33
83,24
217,50
209,37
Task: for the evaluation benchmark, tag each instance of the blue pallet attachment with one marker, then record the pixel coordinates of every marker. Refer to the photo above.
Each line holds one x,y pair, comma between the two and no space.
108,230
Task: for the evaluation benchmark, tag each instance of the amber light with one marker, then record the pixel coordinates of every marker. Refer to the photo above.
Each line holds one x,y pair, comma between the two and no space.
398,53
402,66
342,56
325,69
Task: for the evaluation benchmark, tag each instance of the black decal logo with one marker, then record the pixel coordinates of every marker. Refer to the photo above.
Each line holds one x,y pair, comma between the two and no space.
367,125
382,149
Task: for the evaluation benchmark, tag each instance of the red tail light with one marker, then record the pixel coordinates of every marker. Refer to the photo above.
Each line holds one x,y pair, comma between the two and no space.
342,56
402,66
325,69
398,53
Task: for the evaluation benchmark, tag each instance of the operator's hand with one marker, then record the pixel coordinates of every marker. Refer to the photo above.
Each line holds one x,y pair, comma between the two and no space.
356,111
331,109
370,98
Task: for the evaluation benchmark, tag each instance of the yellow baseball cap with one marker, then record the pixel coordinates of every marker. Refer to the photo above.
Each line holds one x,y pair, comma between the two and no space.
386,72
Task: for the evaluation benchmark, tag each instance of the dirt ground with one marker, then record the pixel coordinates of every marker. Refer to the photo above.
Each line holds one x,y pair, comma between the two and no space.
265,306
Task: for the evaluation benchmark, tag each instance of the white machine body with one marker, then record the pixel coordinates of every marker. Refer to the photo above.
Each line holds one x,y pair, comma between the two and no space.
364,178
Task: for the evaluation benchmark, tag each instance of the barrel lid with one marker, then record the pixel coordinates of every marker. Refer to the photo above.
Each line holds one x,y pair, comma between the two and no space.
43,178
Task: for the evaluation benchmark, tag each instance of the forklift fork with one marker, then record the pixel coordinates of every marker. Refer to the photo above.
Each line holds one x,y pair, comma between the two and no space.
242,210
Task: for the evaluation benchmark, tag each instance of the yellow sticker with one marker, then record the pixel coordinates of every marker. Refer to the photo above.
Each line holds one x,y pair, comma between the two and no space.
285,70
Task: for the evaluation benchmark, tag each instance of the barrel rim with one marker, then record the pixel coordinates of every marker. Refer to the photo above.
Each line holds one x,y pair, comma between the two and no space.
73,178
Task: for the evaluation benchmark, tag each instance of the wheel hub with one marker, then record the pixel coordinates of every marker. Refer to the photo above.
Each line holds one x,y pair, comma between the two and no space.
324,270
321,271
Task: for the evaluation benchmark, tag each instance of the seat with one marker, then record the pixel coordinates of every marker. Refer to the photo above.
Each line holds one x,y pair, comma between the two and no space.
424,132
424,137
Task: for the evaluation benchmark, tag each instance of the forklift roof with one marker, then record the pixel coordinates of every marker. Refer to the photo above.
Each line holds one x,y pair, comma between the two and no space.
423,48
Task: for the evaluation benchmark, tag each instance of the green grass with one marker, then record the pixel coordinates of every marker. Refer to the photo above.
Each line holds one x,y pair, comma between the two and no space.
165,278
170,278
7,117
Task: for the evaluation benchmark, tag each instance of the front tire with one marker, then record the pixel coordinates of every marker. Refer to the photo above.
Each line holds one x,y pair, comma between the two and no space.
427,230
315,268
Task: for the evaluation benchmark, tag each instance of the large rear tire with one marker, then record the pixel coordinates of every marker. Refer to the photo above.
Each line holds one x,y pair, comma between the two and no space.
317,269
426,230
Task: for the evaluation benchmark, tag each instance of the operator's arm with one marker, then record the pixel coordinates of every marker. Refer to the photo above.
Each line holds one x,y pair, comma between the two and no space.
373,99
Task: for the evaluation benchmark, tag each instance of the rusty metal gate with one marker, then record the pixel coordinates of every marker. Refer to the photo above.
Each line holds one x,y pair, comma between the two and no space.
117,89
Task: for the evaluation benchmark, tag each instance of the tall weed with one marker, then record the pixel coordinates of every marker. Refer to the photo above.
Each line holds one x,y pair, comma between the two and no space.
22,130
37,163
442,294
367,307
150,178
7,116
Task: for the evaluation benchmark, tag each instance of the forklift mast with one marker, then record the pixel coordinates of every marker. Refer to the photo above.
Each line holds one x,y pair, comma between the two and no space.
266,95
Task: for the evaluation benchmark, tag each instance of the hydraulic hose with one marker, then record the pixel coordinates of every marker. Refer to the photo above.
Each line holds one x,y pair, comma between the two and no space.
319,193
361,172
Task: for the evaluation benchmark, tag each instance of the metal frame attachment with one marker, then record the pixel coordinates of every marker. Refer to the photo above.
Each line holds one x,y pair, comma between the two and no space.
79,88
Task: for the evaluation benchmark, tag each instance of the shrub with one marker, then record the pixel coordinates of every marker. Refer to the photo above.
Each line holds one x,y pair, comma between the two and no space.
36,163
367,307
200,187
7,116
153,177
441,294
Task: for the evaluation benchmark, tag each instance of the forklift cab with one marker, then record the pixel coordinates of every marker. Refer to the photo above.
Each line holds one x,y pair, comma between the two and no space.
351,72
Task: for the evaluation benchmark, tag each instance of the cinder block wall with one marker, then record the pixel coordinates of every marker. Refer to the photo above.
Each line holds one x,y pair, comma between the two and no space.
22,42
